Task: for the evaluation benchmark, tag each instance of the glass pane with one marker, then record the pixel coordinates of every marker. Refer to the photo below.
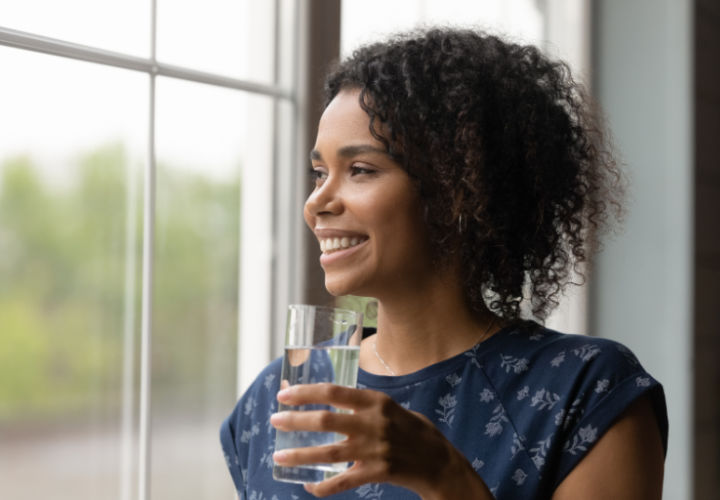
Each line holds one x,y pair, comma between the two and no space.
519,19
71,156
230,37
207,138
117,25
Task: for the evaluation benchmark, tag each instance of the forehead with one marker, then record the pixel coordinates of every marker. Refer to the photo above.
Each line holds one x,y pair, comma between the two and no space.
344,120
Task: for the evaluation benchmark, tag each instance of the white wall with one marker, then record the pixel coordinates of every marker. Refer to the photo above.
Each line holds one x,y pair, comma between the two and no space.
641,289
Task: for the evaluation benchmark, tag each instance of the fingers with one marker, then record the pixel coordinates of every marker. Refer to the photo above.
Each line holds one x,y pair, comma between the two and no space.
327,454
324,393
355,476
317,420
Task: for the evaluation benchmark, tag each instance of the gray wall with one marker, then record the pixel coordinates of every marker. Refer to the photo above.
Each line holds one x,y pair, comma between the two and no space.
642,285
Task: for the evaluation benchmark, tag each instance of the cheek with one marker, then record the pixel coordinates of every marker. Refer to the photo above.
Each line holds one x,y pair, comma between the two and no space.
309,219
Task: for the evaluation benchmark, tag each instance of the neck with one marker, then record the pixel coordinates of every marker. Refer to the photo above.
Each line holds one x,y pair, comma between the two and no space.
426,325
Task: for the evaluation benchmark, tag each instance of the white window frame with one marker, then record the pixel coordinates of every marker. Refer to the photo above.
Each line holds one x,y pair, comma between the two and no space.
257,338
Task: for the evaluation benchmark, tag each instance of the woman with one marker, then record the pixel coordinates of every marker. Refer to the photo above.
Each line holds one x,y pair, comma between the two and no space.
455,173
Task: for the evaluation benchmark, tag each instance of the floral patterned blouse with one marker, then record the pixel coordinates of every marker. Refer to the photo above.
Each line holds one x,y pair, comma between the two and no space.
524,407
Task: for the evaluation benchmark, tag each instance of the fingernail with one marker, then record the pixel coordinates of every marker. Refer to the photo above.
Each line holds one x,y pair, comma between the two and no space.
284,394
279,457
277,419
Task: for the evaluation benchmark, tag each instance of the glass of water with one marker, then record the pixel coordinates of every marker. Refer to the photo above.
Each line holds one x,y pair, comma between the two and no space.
322,344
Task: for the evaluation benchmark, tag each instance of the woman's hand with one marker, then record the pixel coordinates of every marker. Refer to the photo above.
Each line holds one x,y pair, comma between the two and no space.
387,443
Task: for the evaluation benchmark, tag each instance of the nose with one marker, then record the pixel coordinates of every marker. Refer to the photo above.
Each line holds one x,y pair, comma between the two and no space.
325,199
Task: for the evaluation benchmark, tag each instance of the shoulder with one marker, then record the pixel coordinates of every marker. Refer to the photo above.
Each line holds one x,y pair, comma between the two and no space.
529,353
571,367
567,390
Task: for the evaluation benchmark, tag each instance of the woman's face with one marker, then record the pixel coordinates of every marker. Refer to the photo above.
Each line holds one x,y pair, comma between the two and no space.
364,210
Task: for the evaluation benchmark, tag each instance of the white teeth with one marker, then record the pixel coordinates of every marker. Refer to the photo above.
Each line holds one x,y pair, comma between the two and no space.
332,244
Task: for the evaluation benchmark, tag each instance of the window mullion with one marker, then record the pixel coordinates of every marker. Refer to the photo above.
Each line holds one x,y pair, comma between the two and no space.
53,46
145,434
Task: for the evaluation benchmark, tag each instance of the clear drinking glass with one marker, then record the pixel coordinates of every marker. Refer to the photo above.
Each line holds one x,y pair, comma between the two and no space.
322,344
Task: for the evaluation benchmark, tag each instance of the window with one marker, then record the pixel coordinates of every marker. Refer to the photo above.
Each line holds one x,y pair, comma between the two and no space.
145,146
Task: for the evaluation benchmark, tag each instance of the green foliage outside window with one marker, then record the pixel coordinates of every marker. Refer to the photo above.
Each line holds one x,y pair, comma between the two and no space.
63,283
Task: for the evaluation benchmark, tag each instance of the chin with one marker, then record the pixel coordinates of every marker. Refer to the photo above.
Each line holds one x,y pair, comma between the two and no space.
338,288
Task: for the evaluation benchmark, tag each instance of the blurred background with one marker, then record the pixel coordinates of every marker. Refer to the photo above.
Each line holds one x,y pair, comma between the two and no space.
152,173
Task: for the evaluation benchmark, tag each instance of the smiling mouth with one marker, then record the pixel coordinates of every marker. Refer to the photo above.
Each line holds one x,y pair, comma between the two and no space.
329,245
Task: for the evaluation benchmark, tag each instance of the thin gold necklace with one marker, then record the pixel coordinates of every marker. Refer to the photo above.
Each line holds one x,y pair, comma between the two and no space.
391,372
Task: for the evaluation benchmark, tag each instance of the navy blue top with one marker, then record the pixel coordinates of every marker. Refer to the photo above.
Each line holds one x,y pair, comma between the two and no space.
524,407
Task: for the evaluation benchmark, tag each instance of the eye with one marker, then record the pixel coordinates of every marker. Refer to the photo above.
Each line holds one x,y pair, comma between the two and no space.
361,169
317,175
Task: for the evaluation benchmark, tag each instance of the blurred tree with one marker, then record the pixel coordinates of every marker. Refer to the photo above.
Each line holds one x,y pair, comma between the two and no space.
62,282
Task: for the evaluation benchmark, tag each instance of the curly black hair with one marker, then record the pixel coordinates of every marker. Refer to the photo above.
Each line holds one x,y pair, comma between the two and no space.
512,164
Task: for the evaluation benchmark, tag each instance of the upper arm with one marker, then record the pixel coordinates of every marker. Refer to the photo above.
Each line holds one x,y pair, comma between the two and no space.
625,463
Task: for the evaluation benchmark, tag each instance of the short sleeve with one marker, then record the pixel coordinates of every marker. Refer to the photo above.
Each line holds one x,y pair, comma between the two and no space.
610,380
246,436
232,459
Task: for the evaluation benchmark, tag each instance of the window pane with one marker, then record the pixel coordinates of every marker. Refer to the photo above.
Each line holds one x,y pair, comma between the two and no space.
520,19
72,151
207,140
230,37
117,25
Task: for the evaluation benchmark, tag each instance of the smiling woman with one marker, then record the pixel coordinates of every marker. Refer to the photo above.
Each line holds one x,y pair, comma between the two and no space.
453,172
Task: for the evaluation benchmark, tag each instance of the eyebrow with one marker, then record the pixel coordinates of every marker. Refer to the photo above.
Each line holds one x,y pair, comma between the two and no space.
350,151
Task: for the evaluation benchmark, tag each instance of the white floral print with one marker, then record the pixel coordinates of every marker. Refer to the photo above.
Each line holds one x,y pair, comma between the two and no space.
487,395
495,426
511,363
518,445
447,409
267,457
268,426
558,360
519,476
642,381
587,352
453,379
523,393
570,416
585,436
473,355
544,400
539,452
250,405
249,433
371,491
602,385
